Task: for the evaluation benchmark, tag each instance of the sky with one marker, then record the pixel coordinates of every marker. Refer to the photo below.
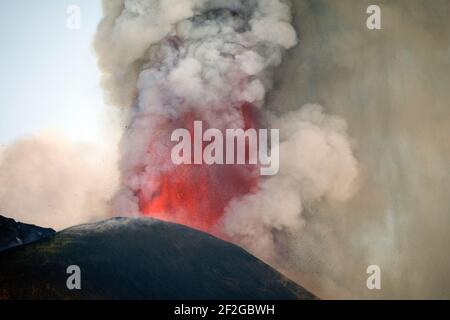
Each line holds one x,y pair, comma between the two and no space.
49,78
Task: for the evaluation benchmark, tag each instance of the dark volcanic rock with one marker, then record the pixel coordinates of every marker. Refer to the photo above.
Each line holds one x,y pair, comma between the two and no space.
140,259
14,233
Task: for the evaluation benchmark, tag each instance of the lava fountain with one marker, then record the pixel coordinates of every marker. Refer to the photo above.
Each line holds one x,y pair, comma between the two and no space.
197,194
177,62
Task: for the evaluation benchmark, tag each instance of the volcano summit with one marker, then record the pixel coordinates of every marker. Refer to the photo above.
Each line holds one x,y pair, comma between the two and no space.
139,259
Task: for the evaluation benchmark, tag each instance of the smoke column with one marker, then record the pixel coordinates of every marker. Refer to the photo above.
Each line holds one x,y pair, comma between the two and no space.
173,62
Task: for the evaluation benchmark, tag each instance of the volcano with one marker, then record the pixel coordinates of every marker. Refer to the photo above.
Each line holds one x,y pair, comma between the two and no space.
144,258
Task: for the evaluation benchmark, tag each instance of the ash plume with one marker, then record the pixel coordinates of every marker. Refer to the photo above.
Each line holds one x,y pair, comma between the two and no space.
168,61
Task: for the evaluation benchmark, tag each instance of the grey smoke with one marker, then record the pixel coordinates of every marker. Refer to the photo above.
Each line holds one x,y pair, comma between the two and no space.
391,86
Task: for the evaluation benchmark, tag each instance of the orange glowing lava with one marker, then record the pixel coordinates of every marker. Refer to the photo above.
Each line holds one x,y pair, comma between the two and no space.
197,195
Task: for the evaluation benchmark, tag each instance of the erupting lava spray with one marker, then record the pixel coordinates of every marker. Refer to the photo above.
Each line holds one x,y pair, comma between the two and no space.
195,60
197,194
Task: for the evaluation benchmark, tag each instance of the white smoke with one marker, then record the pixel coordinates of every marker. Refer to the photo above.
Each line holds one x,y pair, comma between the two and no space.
316,163
48,181
196,46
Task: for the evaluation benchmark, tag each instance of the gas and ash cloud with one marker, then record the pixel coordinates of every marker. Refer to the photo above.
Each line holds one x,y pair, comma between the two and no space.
52,182
391,86
174,61
316,163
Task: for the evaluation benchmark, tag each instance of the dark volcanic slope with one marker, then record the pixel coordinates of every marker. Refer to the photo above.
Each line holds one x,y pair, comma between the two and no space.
140,259
14,233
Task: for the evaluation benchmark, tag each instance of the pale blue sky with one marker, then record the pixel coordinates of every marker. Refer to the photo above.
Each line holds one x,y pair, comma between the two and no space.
49,77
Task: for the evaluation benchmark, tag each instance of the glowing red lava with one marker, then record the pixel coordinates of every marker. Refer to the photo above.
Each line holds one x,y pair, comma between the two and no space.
197,195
